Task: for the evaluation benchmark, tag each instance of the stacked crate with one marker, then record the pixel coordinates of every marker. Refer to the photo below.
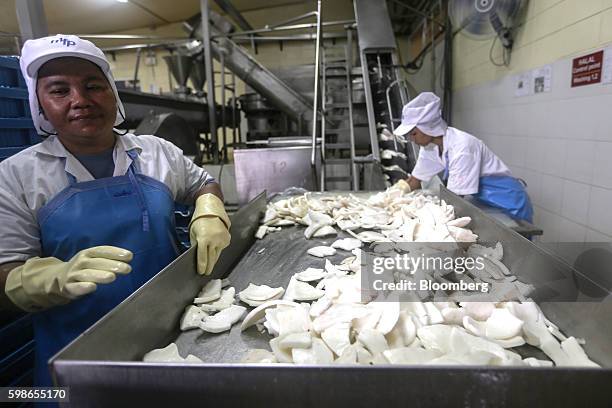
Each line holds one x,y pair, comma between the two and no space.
16,128
16,133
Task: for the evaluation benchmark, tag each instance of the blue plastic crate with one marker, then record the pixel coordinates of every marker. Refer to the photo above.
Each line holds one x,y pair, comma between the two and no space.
16,132
10,73
14,103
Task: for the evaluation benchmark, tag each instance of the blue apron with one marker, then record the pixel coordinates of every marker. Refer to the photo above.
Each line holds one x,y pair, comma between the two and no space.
134,212
505,192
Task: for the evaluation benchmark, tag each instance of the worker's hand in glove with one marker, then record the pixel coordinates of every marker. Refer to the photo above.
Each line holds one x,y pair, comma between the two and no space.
41,283
209,231
402,186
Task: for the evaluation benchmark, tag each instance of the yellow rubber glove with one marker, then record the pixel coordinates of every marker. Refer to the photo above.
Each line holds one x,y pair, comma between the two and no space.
41,283
402,186
209,230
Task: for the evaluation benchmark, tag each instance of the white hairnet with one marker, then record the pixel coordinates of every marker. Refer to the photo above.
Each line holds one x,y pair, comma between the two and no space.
424,113
36,52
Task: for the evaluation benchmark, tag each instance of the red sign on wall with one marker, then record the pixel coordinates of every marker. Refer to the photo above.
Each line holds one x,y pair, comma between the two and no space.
586,70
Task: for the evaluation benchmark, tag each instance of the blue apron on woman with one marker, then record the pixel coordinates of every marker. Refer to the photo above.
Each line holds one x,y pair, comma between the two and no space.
505,192
132,211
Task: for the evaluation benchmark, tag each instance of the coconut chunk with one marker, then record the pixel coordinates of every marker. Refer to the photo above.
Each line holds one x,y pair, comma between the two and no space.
321,251
373,340
192,317
210,292
225,301
311,274
223,320
258,313
169,354
347,244
337,337
296,340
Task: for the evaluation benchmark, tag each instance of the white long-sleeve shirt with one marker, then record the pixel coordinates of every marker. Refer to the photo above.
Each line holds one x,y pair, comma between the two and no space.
468,159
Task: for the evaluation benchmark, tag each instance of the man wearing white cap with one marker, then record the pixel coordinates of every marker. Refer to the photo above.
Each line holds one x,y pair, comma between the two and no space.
468,166
86,216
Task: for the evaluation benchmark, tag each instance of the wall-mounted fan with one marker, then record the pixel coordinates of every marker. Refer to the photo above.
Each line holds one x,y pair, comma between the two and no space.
484,19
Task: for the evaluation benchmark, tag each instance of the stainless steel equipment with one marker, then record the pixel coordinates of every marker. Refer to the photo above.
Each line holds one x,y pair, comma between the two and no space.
180,66
272,170
102,366
263,119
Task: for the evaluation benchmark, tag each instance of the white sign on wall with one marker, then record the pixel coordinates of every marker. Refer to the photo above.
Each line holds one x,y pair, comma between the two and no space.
542,79
522,85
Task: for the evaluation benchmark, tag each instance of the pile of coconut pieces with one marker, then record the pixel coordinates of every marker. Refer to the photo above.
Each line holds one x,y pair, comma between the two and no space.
389,216
321,318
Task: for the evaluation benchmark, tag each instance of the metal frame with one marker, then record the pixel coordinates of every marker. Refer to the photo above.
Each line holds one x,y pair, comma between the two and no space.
210,79
100,372
316,92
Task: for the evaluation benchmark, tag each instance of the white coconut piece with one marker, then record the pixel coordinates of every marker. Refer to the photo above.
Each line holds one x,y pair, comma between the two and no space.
337,337
320,305
410,355
348,225
282,355
223,320
261,292
321,251
515,341
433,313
478,310
261,231
296,340
407,328
316,220
460,222
349,356
575,353
325,231
259,356
474,327
436,337
453,315
258,313
292,320
347,244
389,316
373,340
302,291
225,301
319,353
502,325
311,274
338,313
271,322
210,292
169,354
192,317
534,362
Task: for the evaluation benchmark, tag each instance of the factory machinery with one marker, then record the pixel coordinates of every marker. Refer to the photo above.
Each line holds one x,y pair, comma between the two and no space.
104,366
353,86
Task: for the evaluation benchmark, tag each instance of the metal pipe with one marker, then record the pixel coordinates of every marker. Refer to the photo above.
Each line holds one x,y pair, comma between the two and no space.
433,55
228,7
316,87
293,19
210,79
138,53
223,119
286,28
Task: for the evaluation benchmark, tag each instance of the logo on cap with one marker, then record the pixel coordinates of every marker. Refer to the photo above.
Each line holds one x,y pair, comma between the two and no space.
64,41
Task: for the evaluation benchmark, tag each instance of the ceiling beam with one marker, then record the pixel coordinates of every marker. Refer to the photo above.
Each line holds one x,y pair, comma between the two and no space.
228,7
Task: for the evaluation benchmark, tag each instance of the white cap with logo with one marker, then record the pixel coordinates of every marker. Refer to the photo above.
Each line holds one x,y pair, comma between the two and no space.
423,112
36,52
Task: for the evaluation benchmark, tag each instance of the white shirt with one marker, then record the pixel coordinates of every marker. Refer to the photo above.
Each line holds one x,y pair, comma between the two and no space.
32,177
468,160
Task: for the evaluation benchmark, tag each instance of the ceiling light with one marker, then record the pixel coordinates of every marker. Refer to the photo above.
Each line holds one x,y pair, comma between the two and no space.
122,1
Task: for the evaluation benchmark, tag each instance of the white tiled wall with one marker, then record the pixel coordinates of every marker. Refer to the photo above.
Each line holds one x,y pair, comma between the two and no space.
560,143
